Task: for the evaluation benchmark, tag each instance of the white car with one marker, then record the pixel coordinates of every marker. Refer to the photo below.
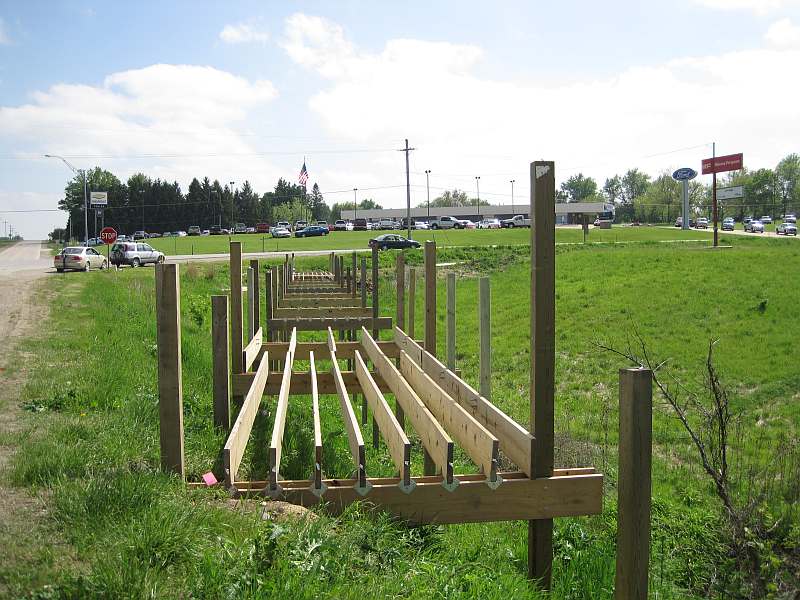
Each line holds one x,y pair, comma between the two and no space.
79,258
489,224
421,225
281,232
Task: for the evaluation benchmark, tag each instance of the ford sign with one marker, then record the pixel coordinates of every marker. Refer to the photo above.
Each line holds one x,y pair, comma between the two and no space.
684,174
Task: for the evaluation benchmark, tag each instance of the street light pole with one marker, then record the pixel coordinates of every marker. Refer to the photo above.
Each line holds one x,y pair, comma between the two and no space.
478,186
512,197
85,194
355,206
233,225
428,185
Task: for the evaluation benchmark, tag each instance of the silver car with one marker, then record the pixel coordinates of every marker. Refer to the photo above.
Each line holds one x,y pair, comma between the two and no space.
786,228
754,226
79,258
135,254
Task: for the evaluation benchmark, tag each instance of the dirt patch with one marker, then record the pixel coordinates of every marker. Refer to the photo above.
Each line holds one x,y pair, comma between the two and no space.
271,510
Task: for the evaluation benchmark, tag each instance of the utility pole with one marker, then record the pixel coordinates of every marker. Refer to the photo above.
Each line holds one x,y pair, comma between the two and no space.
355,205
232,205
714,193
408,189
428,185
478,201
512,196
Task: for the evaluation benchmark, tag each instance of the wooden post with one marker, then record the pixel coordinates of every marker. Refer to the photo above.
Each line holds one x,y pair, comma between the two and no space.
451,321
542,388
256,296
401,291
412,300
375,307
429,467
354,270
269,301
236,306
170,384
251,304
485,312
363,282
634,484
350,286
221,372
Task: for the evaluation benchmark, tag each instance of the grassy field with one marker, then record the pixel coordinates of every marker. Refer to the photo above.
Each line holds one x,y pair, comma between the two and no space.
345,240
91,437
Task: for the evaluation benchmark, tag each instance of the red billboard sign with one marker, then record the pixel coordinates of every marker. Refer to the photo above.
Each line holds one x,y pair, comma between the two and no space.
731,162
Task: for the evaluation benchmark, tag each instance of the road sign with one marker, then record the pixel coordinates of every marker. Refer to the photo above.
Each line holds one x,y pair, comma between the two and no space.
728,193
719,164
108,235
98,198
684,174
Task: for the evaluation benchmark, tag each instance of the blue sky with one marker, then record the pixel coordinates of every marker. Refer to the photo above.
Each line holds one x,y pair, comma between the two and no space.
242,90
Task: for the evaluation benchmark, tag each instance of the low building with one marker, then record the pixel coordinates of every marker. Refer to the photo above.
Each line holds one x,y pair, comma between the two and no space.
566,212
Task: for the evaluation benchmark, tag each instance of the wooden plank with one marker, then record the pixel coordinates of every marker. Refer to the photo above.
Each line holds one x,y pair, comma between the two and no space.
170,375
363,282
375,294
236,306
451,321
478,442
319,302
485,327
412,299
343,349
251,317
354,438
515,441
430,297
321,312
240,432
400,274
470,502
354,270
396,440
542,387
321,324
221,361
312,369
281,408
252,350
634,486
434,438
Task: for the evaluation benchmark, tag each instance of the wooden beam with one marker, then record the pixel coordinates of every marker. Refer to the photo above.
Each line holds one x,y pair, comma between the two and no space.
400,274
170,376
634,486
515,441
375,290
269,298
319,302
434,438
412,299
396,440
477,441
312,369
221,361
354,436
354,270
251,316
343,349
251,352
485,318
321,324
470,502
240,432
322,312
542,388
363,282
430,297
236,306
281,408
451,321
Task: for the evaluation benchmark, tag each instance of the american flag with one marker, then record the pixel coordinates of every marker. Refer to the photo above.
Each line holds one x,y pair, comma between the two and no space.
303,174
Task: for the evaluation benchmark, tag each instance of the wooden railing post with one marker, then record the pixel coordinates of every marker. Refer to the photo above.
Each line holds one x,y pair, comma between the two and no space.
256,296
634,483
236,306
412,300
542,388
375,289
363,282
400,273
429,467
170,383
221,372
354,270
485,311
251,304
269,301
451,321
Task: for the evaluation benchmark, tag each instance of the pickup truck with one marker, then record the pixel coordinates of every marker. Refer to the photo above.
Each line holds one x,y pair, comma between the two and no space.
444,223
515,221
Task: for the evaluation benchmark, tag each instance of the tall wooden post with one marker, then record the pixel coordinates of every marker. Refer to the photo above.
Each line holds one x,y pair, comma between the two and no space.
634,485
375,307
485,312
221,372
542,388
350,286
354,270
236,306
363,282
170,378
251,304
429,467
256,296
400,273
412,300
269,301
451,321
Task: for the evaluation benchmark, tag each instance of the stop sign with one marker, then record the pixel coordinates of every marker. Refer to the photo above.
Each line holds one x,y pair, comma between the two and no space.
108,235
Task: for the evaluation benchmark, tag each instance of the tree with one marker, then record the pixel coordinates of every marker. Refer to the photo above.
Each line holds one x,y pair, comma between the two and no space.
579,188
453,198
788,181
655,205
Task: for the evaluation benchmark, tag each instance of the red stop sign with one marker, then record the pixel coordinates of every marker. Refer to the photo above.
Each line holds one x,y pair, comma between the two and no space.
108,235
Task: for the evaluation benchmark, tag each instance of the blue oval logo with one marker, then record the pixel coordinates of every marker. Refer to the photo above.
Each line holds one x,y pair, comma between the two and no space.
684,174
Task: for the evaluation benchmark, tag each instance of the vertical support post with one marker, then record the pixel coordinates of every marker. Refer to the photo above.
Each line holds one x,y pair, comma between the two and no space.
375,307
331,266
236,306
401,291
429,467
354,270
363,282
485,312
634,485
221,373
170,383
269,301
451,321
412,300
256,296
350,286
542,388
251,303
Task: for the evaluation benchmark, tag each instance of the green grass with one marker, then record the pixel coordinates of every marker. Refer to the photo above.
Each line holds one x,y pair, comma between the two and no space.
345,240
92,434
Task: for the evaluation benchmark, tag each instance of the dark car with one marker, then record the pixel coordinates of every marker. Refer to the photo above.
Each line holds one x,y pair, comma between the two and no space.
360,224
311,231
393,241
216,230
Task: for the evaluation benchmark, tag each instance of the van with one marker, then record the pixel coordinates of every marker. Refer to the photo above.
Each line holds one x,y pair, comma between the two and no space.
360,224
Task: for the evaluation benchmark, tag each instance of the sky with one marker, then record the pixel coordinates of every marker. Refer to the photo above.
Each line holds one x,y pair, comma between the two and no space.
245,91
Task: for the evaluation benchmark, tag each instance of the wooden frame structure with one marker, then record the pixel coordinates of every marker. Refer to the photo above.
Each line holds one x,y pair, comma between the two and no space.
429,396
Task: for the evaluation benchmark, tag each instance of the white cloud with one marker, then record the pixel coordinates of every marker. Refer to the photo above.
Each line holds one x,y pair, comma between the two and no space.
243,33
4,38
783,34
759,7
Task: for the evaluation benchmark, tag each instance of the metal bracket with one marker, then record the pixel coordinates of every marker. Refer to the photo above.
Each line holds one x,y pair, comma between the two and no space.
450,487
318,492
363,491
274,492
496,483
407,489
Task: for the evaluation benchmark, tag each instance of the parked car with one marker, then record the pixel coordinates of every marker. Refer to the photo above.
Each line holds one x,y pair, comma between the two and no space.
421,225
728,224
262,227
323,224
393,241
790,218
311,231
250,230
786,228
387,224
139,235
766,219
134,254
282,225
181,233
300,224
746,220
205,232
702,223
151,235
79,258
340,225
754,226
240,228
281,232
360,224
444,223
216,230
489,224
193,230
515,221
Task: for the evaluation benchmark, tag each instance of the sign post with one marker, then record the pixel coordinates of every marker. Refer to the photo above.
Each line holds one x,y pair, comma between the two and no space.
108,235
684,175
719,164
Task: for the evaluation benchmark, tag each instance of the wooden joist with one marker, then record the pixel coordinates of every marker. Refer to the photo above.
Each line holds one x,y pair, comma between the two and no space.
321,324
312,369
434,438
301,383
320,301
252,350
320,349
282,406
322,312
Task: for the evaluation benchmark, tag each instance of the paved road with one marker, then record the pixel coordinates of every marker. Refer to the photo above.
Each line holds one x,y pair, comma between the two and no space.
24,256
20,265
